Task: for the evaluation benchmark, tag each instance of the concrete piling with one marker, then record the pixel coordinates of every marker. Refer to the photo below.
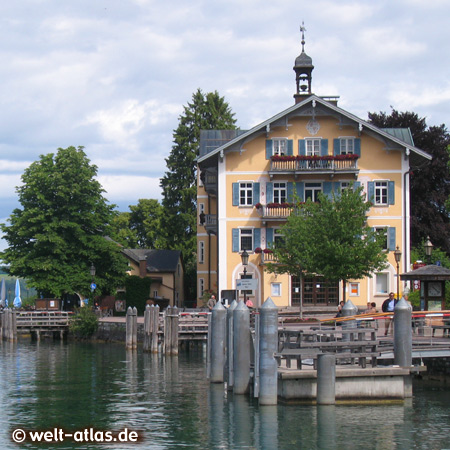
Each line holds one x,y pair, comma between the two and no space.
402,334
349,309
326,379
218,339
268,345
241,349
229,377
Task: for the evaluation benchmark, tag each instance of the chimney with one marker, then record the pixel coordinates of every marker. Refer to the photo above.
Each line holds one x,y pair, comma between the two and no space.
143,266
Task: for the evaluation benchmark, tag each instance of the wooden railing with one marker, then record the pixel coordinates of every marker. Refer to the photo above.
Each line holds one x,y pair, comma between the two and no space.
42,319
324,165
275,212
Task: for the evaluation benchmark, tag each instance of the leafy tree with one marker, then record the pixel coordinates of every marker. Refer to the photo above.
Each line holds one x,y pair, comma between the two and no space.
331,238
430,183
205,112
60,229
147,221
121,230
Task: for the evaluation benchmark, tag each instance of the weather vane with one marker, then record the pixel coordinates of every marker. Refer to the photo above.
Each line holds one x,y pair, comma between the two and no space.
303,29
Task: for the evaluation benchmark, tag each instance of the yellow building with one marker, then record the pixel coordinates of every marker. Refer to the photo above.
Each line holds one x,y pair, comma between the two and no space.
247,179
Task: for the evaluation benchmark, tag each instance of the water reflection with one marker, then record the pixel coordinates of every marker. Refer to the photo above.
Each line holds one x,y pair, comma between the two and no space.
44,385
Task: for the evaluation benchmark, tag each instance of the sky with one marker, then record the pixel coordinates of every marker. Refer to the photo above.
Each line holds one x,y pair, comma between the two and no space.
113,76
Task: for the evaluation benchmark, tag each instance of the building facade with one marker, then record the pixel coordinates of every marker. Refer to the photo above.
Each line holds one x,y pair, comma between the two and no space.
248,179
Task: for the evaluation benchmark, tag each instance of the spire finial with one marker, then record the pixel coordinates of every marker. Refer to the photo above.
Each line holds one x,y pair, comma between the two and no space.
303,29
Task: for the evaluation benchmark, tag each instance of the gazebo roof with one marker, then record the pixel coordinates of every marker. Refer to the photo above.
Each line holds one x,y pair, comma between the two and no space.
427,273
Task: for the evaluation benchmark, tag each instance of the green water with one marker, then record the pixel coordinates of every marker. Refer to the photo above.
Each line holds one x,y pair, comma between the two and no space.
168,402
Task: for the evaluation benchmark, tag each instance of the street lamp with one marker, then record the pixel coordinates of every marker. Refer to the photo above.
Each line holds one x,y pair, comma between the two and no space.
428,249
244,258
398,257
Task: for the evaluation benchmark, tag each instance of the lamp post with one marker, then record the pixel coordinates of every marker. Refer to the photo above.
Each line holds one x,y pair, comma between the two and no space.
244,258
93,285
398,257
428,249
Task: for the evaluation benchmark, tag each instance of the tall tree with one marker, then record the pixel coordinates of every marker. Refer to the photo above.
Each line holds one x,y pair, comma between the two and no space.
349,249
60,229
205,112
430,183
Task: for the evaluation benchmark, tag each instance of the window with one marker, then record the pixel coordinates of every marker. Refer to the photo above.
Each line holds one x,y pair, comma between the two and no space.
246,239
354,289
312,191
381,283
347,146
201,210
278,238
280,147
155,294
383,232
201,287
345,185
245,194
275,289
201,253
381,192
279,192
312,147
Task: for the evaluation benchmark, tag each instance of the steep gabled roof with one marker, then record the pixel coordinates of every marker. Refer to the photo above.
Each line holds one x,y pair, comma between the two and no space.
393,140
157,260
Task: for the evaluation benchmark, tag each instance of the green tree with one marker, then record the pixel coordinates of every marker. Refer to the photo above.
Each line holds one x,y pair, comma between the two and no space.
430,183
330,238
60,229
205,112
121,231
147,221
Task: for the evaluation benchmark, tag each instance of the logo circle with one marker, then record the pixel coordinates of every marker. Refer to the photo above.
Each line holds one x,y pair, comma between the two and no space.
18,435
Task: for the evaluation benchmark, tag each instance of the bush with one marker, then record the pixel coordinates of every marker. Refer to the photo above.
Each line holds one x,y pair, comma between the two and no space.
137,292
84,323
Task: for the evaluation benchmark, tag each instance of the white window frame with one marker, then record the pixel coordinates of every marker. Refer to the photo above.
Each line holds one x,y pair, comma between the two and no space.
351,287
347,145
155,293
279,146
245,193
345,185
384,274
201,252
385,229
201,287
312,147
318,187
273,291
381,192
279,192
277,234
245,232
201,210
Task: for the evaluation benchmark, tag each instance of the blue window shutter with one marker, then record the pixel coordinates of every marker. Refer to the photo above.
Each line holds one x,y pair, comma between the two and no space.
301,147
371,191
337,188
235,235
336,146
269,236
269,193
290,191
357,144
391,192
391,238
255,193
269,148
256,238
323,147
290,147
327,187
235,194
356,185
300,190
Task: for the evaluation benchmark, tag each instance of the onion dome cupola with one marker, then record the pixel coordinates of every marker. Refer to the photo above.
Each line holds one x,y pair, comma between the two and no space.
303,71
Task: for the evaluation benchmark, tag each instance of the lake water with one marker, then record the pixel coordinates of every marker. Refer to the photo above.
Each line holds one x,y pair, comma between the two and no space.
168,402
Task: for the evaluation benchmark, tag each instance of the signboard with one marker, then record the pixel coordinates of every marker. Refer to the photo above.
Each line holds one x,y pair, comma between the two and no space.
248,284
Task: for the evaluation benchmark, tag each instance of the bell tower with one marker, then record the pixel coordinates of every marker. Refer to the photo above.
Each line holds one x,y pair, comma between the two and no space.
303,71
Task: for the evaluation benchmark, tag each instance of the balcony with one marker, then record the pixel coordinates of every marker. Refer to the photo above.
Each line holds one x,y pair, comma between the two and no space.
342,164
275,211
210,223
209,179
267,256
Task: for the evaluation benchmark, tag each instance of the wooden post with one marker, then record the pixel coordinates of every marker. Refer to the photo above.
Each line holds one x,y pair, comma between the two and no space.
129,329
147,331
154,328
134,336
167,331
174,331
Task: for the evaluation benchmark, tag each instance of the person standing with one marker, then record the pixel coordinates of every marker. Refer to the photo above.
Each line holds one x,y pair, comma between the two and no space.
389,306
211,302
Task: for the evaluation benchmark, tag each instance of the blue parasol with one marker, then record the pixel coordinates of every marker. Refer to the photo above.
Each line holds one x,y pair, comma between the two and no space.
17,301
3,303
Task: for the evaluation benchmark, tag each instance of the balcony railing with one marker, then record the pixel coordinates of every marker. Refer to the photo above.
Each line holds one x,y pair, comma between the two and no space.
268,258
211,223
276,211
324,164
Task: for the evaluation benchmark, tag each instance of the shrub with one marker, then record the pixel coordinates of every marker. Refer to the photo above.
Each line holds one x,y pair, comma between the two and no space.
84,323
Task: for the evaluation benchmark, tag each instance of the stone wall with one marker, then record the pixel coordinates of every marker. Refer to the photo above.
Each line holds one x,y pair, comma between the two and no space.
116,332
